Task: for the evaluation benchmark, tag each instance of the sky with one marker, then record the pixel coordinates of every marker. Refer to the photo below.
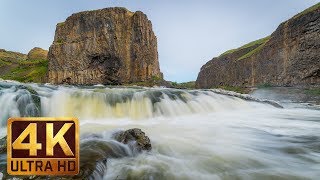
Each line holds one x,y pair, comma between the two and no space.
189,32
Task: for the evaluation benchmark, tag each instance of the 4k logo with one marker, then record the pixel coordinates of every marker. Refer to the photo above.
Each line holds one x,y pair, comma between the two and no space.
43,146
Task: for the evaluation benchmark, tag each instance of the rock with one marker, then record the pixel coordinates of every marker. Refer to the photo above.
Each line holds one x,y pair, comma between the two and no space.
36,100
289,57
107,46
37,54
3,145
95,150
94,153
141,142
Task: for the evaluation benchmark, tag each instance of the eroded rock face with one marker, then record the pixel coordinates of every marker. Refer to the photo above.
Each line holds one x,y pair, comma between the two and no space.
289,58
37,54
107,46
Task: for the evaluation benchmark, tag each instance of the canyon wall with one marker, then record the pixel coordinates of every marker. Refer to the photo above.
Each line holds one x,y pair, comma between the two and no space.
107,46
289,57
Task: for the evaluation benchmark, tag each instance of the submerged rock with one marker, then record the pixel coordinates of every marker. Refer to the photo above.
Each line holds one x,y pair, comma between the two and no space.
35,99
3,145
135,138
95,151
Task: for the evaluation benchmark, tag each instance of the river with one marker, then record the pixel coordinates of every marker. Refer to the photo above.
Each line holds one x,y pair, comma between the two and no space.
195,134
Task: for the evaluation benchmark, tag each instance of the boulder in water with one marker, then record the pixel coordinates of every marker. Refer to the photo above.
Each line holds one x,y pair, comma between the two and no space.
141,142
95,150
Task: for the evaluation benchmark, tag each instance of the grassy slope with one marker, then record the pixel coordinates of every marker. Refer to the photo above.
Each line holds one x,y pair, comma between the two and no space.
312,8
13,66
259,42
263,41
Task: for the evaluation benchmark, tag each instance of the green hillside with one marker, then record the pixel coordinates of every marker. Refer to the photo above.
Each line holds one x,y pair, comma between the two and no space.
14,66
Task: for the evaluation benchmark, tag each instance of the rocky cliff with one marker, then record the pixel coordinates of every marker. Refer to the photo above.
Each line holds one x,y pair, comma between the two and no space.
107,46
289,57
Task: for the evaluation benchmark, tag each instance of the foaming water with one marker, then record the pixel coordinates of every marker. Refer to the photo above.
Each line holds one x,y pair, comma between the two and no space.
111,103
195,134
242,144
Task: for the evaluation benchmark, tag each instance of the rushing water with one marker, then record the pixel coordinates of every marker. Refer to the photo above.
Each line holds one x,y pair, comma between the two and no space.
195,134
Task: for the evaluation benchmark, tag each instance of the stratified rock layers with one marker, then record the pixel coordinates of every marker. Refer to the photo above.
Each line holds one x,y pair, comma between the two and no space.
107,46
291,57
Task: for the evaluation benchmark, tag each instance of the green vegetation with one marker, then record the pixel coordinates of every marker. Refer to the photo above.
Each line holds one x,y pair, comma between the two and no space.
14,66
61,24
256,50
258,42
312,8
261,42
265,85
9,55
4,63
185,85
232,88
315,91
24,71
60,41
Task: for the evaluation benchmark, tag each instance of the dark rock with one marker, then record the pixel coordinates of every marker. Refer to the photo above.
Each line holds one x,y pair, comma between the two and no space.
35,99
289,57
3,145
140,141
95,151
108,46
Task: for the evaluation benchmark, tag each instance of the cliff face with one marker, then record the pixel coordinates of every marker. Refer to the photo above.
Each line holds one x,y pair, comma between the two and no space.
108,46
289,57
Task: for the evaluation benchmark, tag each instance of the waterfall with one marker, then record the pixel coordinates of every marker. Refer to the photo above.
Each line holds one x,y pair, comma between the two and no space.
195,134
99,102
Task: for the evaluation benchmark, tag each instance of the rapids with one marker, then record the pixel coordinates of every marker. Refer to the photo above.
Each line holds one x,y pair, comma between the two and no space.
195,134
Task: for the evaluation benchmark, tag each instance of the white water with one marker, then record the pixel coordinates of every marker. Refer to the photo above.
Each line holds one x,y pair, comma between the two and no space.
194,134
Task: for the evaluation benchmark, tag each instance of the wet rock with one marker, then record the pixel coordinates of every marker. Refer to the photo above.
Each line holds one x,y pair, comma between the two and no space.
95,151
135,138
3,145
35,98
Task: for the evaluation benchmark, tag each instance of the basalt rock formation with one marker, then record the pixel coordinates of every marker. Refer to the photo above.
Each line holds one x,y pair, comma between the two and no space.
37,54
289,57
107,46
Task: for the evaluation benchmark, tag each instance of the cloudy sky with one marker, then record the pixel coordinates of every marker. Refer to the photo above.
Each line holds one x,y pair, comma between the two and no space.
190,32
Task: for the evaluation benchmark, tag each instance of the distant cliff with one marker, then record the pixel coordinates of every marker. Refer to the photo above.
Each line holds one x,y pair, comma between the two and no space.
107,46
289,57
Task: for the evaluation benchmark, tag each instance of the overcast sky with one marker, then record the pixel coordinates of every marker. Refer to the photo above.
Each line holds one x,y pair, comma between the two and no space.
190,32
